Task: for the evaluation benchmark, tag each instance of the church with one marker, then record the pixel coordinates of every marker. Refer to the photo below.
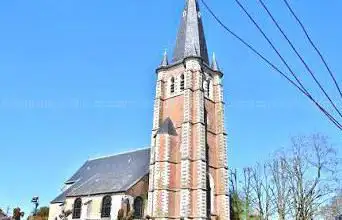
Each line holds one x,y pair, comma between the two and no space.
184,174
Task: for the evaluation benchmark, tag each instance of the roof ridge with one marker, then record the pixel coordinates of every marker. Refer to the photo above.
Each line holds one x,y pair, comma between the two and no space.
118,154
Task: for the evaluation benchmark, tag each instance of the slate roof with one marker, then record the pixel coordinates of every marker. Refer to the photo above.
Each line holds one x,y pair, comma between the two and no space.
190,39
110,174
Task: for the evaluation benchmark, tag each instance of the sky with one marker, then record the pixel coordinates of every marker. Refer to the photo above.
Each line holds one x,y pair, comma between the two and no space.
77,81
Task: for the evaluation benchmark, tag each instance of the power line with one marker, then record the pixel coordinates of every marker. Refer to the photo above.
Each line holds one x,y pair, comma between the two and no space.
272,45
277,51
314,46
330,117
300,57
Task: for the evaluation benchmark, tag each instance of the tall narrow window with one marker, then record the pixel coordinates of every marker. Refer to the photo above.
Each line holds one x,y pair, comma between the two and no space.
205,87
182,82
106,206
76,214
138,207
212,194
172,87
208,88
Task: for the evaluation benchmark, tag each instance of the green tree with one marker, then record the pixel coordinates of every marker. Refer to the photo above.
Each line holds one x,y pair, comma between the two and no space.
43,211
236,206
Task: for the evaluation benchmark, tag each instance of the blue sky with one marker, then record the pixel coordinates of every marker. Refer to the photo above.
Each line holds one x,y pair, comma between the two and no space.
77,81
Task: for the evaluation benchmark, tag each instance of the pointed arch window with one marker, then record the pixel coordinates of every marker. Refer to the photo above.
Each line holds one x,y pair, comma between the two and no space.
106,206
182,82
76,214
172,86
138,207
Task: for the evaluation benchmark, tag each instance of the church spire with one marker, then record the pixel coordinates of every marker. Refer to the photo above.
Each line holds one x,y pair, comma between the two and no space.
190,38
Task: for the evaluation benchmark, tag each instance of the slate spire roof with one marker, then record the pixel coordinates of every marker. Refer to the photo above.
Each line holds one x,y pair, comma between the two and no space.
190,39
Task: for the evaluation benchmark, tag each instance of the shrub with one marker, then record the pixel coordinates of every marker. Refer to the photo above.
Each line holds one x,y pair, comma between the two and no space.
130,215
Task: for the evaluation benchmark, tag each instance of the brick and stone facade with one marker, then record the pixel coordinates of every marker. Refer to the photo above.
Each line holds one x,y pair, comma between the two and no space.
184,164
188,166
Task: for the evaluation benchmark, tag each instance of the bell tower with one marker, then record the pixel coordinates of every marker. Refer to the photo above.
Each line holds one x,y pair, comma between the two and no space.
188,167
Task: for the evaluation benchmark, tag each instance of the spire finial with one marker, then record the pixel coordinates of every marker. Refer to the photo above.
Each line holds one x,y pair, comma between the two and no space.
190,39
214,64
165,61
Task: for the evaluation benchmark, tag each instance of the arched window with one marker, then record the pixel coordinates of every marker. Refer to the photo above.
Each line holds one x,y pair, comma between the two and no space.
106,206
182,82
76,214
172,86
138,207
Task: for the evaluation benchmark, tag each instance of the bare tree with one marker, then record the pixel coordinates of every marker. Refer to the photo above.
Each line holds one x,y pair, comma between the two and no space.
268,193
247,191
295,184
236,205
333,209
311,168
281,188
261,188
